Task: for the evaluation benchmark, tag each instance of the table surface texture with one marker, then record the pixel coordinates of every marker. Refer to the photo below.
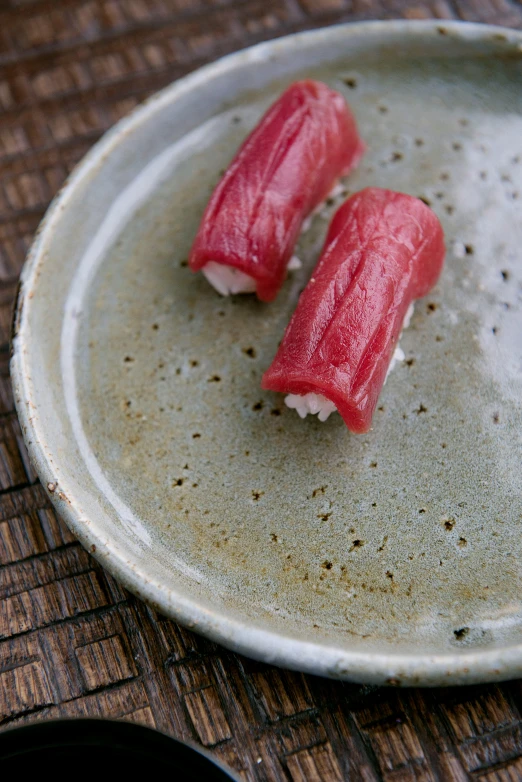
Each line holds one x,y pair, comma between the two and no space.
72,641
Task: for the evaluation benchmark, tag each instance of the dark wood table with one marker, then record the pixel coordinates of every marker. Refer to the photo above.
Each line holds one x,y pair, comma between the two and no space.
73,641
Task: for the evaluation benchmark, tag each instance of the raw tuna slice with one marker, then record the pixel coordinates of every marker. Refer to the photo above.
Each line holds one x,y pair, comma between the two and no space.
383,249
284,169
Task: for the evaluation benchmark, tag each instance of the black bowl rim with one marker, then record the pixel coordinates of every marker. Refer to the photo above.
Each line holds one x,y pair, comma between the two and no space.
39,728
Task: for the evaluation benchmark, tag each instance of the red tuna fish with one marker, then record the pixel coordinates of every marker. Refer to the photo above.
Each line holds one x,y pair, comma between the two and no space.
383,249
284,169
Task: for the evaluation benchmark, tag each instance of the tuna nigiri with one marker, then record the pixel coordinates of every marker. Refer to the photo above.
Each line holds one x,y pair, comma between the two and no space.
286,167
382,251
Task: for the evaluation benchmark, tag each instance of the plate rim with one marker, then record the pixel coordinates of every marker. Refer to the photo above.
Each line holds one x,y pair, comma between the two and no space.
270,646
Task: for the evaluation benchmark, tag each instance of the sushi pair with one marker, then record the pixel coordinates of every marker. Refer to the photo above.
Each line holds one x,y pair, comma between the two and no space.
383,250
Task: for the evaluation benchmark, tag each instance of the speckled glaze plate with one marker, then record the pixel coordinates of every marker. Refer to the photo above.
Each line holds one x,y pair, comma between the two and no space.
393,557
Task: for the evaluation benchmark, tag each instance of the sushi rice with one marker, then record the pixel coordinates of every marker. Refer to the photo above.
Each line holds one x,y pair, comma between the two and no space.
229,281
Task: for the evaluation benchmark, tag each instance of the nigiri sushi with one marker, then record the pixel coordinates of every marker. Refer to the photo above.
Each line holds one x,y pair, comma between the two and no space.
383,250
286,167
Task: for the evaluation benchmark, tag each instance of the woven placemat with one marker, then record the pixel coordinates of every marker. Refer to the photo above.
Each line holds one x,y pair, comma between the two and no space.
72,641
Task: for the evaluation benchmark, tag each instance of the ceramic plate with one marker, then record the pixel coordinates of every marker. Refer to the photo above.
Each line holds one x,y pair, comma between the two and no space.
391,557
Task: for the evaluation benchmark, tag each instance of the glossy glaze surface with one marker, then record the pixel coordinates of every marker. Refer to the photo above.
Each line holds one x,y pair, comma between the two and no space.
390,556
